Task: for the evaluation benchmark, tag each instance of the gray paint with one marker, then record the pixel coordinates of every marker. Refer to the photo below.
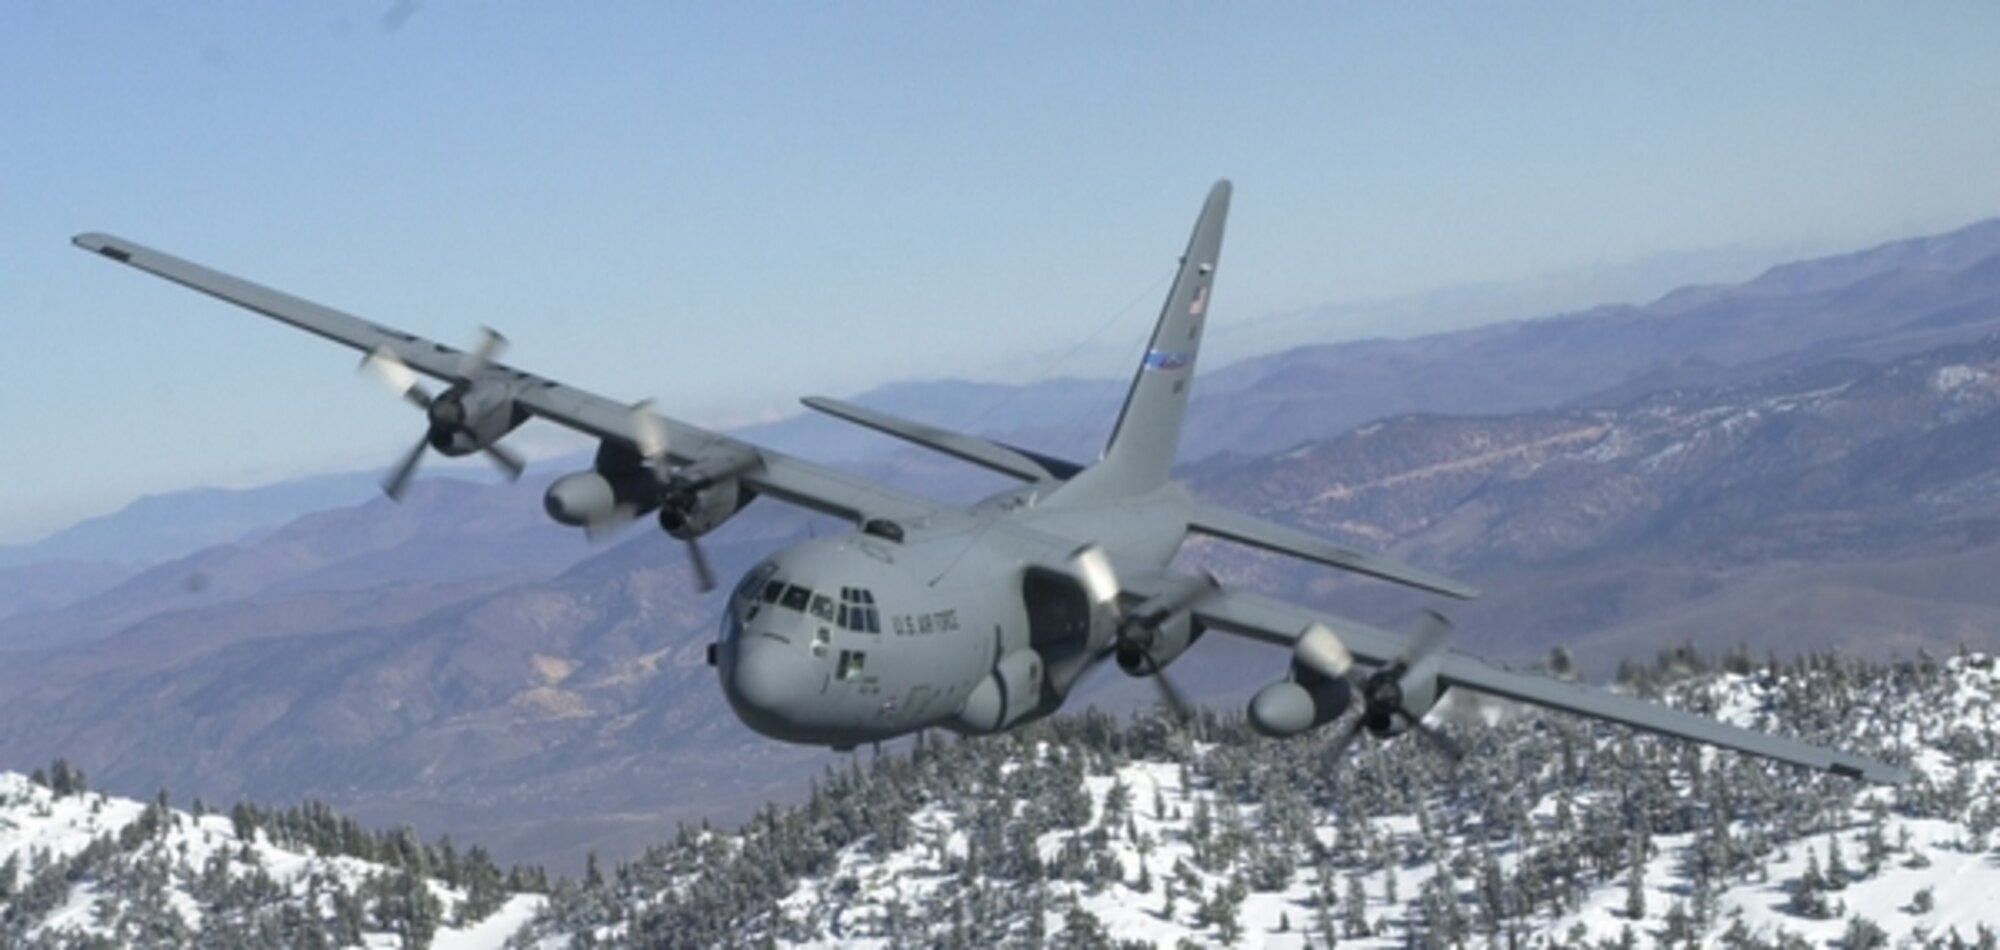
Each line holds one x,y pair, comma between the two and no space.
957,643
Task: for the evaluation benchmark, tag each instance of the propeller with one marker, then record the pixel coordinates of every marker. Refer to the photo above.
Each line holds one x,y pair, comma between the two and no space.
490,345
445,413
677,495
1382,691
1320,650
1135,633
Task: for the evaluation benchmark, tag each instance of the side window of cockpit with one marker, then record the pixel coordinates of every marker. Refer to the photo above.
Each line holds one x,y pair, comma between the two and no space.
857,611
757,582
822,607
754,582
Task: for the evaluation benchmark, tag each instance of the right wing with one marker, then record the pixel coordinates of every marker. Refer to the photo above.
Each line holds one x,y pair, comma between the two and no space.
776,474
1279,623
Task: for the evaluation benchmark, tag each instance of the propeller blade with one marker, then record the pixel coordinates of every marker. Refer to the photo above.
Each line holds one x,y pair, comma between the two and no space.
1347,739
1430,636
1093,569
1319,649
649,436
605,527
399,477
490,345
507,460
1438,740
704,576
1172,694
389,369
1168,691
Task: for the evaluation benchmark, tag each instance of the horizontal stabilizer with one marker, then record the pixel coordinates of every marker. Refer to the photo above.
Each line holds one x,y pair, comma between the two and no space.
1027,466
1258,533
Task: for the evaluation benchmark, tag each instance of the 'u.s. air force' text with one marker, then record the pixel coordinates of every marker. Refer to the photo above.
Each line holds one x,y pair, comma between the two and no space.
937,621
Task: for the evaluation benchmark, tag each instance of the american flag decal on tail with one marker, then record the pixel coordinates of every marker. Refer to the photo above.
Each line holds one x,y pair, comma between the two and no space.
1200,304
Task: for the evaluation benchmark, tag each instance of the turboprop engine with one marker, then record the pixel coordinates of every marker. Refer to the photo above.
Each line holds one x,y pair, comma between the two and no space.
470,416
1145,647
627,481
1393,700
692,508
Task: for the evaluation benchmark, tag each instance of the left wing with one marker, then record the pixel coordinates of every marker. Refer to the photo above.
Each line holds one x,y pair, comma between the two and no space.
781,476
1229,525
1279,623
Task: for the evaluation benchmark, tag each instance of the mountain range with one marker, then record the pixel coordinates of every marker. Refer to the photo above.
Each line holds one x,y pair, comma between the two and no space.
1802,461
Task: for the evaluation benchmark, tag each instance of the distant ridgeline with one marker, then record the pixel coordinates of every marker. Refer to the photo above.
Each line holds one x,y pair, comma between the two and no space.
1089,831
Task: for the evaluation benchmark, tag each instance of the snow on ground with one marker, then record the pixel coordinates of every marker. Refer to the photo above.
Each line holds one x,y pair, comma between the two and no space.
1958,877
37,826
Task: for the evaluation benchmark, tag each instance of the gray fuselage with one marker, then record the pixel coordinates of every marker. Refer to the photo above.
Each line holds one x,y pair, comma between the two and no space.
971,621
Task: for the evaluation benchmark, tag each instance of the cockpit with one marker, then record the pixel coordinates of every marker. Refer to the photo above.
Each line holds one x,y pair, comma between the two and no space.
851,608
785,642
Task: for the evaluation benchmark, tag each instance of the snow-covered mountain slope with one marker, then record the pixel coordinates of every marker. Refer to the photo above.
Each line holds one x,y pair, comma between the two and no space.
1095,832
1088,832
80,868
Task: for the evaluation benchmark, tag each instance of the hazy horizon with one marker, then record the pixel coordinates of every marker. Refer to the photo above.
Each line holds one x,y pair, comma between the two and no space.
725,208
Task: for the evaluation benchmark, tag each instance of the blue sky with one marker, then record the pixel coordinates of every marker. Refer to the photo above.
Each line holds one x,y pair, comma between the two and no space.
727,205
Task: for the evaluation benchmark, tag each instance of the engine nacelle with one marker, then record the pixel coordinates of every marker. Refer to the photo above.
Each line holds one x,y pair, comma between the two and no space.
1303,701
1147,649
583,499
1386,691
688,513
471,416
1013,690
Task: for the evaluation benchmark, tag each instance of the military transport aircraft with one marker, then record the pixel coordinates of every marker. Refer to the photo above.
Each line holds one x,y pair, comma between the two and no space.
972,619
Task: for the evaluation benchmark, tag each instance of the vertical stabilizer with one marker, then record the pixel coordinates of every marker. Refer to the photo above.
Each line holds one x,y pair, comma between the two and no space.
1141,452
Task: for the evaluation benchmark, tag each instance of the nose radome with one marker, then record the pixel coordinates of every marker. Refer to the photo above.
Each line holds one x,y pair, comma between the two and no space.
772,677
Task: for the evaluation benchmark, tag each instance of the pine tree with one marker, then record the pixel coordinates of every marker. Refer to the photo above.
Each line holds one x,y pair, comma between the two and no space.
1635,883
1837,876
1809,892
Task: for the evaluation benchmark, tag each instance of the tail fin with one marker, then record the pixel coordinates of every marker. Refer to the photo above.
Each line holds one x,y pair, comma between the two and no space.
1140,455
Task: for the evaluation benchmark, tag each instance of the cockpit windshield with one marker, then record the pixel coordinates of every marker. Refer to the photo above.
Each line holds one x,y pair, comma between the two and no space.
854,610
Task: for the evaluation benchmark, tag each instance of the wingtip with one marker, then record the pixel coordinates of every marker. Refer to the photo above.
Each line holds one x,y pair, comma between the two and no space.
1869,771
100,243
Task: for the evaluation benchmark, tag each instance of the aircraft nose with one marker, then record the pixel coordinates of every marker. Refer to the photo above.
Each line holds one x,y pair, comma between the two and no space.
769,679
